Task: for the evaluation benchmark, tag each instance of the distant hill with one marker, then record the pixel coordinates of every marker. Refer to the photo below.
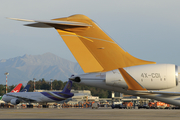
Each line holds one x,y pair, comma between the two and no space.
47,66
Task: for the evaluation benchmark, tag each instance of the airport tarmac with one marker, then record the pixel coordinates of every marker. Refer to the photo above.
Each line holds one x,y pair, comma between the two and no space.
89,114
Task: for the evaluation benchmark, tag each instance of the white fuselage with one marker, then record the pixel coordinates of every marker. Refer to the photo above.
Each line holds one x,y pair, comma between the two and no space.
37,96
34,97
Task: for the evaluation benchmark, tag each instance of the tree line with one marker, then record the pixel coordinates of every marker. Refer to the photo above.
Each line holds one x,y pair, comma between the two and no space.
42,84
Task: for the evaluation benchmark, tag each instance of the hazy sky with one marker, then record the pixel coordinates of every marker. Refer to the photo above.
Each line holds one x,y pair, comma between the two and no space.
147,29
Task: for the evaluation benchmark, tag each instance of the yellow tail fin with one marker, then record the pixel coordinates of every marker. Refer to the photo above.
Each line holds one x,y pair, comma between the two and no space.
94,50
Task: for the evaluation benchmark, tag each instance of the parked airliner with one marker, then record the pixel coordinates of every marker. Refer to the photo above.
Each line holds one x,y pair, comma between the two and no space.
38,97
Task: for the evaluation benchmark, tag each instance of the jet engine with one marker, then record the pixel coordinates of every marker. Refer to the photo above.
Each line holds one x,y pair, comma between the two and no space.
15,101
152,77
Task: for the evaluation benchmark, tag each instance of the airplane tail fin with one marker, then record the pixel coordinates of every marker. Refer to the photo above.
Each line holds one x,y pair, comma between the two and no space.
67,88
1,97
94,50
25,89
17,88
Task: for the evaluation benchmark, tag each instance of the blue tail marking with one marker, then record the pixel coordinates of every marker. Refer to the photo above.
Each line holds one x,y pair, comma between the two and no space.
25,89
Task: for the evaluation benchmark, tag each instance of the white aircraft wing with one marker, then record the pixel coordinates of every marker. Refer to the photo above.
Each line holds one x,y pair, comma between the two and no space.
160,92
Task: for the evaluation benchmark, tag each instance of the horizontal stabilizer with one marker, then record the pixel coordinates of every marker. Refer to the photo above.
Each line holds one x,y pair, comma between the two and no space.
50,23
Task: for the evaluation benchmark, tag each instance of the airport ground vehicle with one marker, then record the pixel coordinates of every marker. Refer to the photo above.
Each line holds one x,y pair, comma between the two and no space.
156,105
116,103
127,105
161,105
95,105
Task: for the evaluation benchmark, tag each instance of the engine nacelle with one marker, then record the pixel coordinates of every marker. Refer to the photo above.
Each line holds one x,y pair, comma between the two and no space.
152,77
15,101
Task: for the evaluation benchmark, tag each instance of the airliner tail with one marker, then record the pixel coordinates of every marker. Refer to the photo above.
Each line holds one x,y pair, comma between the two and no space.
67,88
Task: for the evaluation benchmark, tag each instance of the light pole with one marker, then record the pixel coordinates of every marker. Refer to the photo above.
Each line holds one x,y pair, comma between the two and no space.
51,84
34,83
6,79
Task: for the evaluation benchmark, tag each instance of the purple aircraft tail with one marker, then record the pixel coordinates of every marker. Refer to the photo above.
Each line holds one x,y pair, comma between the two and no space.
68,86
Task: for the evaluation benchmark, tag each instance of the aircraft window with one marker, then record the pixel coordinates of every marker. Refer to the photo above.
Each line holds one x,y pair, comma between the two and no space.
151,79
142,80
164,79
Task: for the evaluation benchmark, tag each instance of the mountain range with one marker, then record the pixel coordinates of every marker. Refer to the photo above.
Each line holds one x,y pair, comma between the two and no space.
21,69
